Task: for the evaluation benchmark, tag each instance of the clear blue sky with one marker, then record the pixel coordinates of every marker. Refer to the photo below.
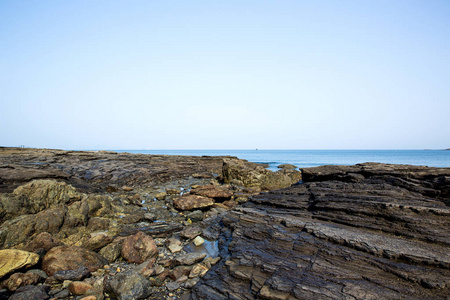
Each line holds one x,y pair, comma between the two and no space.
225,74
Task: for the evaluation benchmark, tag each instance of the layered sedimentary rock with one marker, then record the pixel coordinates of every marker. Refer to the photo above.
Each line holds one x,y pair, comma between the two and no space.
100,170
370,231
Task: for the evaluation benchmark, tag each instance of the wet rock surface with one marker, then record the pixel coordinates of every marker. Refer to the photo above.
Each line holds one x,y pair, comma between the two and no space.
369,231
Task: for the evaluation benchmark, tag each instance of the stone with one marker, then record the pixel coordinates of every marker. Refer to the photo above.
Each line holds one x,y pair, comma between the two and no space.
79,287
180,271
366,231
256,175
161,196
98,241
44,240
147,268
191,202
182,279
287,167
111,251
139,248
173,285
191,232
64,294
11,260
31,292
63,258
96,223
188,259
41,273
43,193
189,284
77,275
211,191
198,241
174,245
128,285
18,280
195,216
20,229
127,188
150,217
172,191
198,271
91,297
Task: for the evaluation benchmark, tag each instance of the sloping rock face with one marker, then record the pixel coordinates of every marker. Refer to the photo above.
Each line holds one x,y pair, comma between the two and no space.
369,231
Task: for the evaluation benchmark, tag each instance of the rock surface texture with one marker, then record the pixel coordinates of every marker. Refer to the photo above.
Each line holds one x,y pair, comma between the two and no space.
369,231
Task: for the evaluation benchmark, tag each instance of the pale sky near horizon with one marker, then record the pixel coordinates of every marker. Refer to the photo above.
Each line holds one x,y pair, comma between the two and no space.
225,74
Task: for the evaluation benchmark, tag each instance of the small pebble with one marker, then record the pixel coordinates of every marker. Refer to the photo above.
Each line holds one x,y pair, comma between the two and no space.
198,241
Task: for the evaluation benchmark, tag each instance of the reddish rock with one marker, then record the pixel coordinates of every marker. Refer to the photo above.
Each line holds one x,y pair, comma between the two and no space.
179,271
44,241
79,287
18,280
212,191
191,202
71,258
139,248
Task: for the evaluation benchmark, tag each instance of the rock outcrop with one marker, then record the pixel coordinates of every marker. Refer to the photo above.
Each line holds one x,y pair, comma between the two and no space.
256,175
370,231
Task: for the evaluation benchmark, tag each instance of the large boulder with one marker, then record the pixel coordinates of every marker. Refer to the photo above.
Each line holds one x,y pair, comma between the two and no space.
42,194
361,232
63,258
21,228
11,260
191,202
256,175
128,285
31,292
139,248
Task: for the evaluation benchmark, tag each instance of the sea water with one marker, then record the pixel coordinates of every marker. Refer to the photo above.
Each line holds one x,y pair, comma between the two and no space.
313,158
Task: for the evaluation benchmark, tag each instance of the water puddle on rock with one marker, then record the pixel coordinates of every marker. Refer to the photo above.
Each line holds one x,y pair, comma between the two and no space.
210,248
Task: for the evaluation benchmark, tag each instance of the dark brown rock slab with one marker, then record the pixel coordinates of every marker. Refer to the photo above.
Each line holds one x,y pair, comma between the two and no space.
359,232
63,258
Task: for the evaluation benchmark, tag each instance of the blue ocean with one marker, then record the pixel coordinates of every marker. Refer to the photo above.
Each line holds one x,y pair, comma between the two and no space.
314,158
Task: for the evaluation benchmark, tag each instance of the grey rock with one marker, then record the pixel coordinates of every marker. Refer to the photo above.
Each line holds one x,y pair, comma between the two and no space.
62,294
188,259
31,292
39,272
173,285
112,251
128,285
74,275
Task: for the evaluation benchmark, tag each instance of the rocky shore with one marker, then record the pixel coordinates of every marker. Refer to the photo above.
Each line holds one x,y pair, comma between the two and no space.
105,225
